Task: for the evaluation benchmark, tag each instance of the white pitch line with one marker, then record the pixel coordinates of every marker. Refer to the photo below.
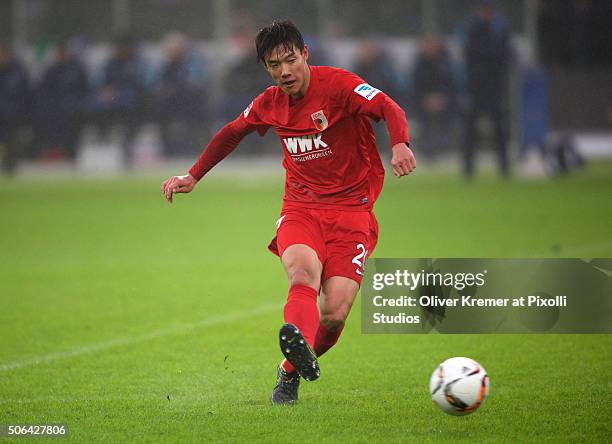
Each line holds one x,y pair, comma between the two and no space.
96,347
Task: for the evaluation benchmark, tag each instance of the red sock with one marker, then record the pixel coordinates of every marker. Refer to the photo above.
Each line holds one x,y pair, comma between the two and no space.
301,310
326,339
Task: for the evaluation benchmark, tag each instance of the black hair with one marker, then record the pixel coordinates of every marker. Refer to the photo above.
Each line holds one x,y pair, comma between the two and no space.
284,34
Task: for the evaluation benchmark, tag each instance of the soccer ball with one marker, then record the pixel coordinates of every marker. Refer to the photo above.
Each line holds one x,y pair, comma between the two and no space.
459,386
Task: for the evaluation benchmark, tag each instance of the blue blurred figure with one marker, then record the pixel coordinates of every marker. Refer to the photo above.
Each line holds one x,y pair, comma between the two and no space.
179,96
434,95
59,102
534,107
14,96
118,97
487,59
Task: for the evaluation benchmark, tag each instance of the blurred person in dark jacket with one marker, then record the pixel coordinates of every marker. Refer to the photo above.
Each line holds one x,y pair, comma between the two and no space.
118,98
244,80
14,95
59,102
434,96
179,96
374,64
487,59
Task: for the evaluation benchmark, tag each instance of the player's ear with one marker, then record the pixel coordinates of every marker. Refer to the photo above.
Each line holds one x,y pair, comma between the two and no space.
305,53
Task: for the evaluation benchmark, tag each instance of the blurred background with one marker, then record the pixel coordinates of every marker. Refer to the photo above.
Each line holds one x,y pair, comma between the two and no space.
521,87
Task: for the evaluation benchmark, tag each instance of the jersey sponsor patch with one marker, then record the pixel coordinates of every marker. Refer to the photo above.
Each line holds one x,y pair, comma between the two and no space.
247,110
319,119
366,91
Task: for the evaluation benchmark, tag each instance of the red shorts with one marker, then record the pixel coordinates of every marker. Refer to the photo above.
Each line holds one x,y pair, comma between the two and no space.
343,240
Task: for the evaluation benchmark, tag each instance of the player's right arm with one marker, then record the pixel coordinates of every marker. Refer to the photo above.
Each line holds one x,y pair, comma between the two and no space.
220,146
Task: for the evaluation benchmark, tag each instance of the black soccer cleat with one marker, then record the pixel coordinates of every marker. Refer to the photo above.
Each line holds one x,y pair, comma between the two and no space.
286,390
298,352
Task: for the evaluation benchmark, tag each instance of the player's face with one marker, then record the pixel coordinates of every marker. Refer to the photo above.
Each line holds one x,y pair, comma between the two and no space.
289,70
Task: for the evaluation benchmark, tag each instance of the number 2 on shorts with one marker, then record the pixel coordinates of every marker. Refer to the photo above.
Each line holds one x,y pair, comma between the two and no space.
359,260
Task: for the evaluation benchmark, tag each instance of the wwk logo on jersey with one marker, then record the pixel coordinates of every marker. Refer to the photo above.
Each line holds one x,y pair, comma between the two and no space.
319,119
366,91
304,144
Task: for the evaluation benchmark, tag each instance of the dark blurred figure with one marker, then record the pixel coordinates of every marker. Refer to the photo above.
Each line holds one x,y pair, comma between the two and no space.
434,96
575,34
178,98
243,82
374,66
317,54
118,99
609,111
14,96
487,57
59,102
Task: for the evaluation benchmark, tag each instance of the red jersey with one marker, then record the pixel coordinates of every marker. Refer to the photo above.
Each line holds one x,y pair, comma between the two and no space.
330,155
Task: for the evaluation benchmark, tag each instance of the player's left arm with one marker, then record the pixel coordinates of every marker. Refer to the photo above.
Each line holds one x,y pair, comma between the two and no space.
359,97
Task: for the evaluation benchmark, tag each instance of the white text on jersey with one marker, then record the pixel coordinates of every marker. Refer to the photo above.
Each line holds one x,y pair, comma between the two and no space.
304,143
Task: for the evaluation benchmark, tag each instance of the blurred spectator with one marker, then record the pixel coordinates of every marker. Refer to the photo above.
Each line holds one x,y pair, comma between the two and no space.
534,110
543,152
576,33
178,98
487,56
374,66
317,54
58,105
434,97
13,106
241,30
610,111
118,98
534,113
244,80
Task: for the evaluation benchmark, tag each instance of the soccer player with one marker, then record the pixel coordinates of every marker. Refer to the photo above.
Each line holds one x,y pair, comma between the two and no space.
326,229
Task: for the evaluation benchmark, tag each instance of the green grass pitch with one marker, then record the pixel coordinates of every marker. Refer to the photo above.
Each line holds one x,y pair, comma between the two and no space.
132,320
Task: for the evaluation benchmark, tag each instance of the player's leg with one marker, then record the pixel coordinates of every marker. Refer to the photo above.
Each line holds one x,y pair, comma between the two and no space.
300,245
302,266
303,269
350,238
301,315
337,297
